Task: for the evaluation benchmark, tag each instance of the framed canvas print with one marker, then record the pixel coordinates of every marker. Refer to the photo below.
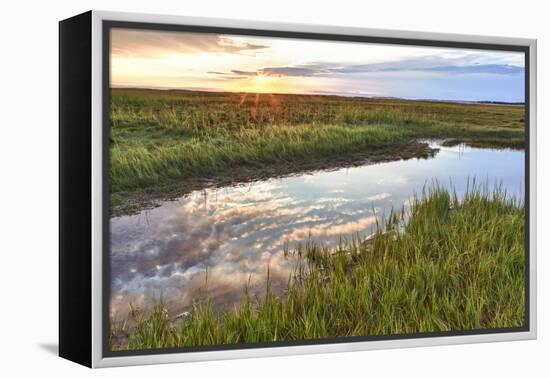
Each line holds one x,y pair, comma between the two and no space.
236,189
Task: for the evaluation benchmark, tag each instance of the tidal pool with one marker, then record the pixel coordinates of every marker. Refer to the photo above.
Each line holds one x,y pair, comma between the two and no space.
219,240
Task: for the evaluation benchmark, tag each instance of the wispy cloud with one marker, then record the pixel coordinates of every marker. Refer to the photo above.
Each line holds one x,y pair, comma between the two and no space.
245,73
432,63
148,43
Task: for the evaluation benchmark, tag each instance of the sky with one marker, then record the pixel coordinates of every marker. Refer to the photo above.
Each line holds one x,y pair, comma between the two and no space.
216,62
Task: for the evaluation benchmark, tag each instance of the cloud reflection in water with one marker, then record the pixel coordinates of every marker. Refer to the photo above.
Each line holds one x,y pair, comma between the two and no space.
237,232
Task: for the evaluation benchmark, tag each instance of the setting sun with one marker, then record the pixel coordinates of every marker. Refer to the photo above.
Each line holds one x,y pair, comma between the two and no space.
261,78
262,83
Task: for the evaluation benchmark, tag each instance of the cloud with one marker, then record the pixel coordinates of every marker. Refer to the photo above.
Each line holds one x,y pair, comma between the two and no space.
461,64
425,65
244,73
150,43
306,70
294,71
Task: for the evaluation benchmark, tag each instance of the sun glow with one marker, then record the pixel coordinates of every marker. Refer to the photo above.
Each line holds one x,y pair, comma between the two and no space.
263,83
261,78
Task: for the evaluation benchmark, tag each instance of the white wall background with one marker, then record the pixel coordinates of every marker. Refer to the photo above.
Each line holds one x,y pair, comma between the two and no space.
28,165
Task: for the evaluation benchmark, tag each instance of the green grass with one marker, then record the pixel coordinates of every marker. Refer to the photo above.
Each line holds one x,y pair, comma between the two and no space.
139,166
448,266
169,142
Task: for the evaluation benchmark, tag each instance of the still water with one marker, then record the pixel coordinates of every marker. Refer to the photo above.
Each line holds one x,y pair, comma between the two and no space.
236,233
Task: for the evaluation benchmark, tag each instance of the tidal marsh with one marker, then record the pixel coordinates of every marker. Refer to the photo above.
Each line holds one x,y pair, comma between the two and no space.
166,143
446,263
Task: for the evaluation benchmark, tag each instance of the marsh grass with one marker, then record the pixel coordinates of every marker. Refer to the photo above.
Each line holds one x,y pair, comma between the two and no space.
446,265
161,140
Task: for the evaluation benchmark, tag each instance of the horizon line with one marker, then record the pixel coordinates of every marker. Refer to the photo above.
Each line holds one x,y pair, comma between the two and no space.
322,93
